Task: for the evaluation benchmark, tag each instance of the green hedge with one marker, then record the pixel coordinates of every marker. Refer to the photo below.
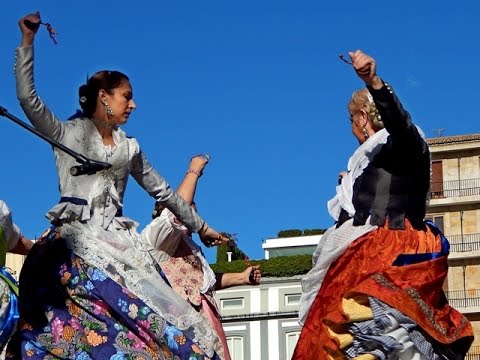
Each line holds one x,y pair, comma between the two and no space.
290,233
222,250
282,266
297,232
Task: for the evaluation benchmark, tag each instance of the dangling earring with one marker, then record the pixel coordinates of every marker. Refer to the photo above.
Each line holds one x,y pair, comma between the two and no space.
108,109
365,132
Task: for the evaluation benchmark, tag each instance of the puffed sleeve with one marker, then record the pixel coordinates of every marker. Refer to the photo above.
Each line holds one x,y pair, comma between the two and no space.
11,231
163,235
35,109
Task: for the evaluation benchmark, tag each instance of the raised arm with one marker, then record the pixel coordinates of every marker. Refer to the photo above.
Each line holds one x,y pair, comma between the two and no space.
35,109
395,118
188,186
148,178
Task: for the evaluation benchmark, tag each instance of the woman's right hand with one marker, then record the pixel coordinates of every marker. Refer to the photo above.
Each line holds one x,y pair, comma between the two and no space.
29,25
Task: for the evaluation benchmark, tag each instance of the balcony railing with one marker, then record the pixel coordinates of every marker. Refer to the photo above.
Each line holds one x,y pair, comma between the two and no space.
463,298
473,353
464,243
455,188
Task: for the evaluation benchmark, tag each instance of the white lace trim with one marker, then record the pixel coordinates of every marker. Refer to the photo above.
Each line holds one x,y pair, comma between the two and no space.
123,257
332,245
356,164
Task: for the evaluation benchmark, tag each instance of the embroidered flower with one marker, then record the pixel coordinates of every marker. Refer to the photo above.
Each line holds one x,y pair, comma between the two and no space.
170,333
95,339
57,329
75,324
49,315
137,343
118,356
57,351
145,310
132,311
65,277
123,305
98,275
74,309
142,326
82,356
98,308
68,333
119,327
89,285
63,269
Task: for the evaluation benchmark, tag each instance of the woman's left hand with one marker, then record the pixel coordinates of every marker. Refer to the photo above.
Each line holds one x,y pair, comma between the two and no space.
252,275
366,68
211,237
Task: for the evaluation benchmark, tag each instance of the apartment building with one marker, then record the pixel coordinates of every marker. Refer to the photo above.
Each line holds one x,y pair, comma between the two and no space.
261,322
455,208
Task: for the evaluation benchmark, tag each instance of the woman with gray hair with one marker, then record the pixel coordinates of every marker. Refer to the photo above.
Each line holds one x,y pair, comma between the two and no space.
375,290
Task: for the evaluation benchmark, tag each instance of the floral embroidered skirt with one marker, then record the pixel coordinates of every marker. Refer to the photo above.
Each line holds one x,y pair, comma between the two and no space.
383,299
71,310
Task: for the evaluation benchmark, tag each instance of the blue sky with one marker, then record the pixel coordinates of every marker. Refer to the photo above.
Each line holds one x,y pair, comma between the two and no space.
256,84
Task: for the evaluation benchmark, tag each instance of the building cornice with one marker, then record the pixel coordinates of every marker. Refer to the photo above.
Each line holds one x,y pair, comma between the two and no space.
444,140
260,316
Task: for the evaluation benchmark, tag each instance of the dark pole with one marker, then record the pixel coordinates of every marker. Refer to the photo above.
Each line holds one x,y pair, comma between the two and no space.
87,166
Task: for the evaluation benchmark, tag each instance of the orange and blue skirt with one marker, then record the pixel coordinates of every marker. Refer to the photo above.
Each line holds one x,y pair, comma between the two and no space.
387,284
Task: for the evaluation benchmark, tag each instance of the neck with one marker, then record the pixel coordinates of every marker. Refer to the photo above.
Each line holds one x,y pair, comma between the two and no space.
105,129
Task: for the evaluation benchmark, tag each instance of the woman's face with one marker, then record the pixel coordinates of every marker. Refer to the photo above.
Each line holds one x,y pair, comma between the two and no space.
121,102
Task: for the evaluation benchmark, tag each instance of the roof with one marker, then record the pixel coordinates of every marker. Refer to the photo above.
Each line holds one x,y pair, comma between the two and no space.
443,140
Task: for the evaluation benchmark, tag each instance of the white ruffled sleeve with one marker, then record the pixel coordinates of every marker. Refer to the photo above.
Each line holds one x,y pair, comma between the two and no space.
12,232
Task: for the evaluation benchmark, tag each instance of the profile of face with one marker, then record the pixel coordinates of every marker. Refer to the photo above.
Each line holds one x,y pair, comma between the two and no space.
120,101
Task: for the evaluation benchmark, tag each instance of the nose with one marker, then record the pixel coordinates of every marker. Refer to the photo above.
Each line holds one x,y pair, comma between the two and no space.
132,105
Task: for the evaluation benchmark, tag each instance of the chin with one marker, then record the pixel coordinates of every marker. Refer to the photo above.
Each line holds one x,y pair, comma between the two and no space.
122,121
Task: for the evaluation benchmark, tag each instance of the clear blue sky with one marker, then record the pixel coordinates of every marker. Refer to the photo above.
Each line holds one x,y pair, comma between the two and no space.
256,84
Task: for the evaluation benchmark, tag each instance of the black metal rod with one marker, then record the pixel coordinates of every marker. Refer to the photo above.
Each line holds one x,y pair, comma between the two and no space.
93,165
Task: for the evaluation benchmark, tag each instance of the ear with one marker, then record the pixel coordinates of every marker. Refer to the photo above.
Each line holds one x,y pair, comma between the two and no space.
103,96
363,118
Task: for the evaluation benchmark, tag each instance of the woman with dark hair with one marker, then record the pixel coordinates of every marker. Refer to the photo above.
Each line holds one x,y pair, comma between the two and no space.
89,287
375,291
183,263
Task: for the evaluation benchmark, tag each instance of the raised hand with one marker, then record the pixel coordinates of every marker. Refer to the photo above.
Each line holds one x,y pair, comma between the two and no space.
198,163
366,68
29,25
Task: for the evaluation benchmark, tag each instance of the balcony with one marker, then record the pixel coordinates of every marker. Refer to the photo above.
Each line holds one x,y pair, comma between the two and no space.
455,188
462,299
473,353
464,243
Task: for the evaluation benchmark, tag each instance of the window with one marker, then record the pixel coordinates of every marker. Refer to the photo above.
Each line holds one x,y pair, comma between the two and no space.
291,339
235,346
437,220
292,299
234,303
436,184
